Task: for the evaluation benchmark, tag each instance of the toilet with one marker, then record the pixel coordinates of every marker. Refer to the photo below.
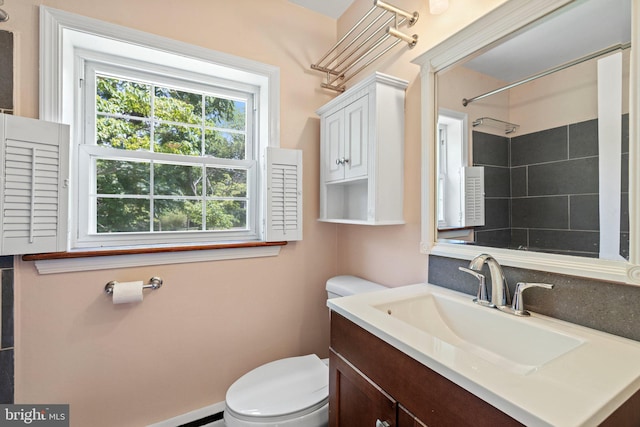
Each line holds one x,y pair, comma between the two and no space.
291,392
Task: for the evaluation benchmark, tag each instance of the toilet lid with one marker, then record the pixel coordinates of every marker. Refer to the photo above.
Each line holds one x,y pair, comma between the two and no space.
286,386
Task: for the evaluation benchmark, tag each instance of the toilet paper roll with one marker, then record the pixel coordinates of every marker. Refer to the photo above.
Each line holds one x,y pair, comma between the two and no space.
125,292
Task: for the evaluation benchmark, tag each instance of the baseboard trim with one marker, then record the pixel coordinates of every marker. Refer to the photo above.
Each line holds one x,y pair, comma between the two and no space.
205,416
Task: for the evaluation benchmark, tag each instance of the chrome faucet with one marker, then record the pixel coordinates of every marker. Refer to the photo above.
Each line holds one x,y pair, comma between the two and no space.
499,288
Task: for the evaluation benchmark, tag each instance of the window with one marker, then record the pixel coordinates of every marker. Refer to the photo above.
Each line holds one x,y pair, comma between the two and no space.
168,139
164,157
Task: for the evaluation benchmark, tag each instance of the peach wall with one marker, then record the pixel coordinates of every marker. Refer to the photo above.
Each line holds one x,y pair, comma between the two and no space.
183,346
391,254
211,322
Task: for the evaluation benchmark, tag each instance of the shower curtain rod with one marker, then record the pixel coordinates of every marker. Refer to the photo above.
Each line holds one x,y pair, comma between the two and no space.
610,49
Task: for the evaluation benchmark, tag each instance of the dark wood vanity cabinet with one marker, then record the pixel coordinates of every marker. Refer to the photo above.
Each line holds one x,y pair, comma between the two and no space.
371,380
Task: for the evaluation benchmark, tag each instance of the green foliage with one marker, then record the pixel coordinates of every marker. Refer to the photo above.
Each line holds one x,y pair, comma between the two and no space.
136,116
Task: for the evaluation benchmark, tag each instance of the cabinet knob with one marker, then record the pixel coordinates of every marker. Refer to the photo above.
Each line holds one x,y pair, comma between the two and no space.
382,424
341,161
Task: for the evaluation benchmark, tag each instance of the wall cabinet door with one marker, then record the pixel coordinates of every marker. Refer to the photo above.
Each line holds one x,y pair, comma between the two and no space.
346,136
333,147
356,144
355,401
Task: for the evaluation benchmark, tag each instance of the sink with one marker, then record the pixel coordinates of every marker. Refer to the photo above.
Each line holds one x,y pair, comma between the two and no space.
515,344
539,370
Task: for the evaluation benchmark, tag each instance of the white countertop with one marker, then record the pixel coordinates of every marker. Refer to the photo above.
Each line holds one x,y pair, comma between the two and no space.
579,388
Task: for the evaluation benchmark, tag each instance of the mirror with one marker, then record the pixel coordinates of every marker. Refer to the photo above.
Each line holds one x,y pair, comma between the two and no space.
539,176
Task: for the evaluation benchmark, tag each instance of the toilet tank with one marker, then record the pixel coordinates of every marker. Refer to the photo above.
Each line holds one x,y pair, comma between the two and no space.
342,286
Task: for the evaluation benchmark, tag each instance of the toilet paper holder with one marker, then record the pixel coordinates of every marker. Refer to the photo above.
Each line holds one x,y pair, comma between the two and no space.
154,283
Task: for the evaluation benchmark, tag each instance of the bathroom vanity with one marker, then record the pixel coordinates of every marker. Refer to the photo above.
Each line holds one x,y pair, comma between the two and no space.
371,380
409,357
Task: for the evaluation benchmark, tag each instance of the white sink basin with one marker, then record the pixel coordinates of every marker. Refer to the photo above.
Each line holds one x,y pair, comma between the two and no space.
539,370
510,342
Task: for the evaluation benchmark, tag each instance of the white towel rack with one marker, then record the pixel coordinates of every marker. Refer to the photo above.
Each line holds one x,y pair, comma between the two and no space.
370,38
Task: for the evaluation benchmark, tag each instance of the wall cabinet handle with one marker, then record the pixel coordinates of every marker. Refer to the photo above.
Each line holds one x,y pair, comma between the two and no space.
382,424
341,161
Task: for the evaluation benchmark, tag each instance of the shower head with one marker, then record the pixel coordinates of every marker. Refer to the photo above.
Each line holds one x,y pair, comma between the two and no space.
4,16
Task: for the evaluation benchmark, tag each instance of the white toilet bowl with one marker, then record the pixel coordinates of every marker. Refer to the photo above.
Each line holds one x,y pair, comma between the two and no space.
292,392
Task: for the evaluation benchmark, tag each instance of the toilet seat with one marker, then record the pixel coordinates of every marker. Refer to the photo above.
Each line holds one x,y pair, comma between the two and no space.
281,390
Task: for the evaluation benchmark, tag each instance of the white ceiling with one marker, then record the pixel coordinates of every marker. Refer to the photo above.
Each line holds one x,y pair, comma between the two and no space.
331,8
586,27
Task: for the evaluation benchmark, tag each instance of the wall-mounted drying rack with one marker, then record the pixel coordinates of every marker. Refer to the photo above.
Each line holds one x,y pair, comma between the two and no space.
495,123
370,38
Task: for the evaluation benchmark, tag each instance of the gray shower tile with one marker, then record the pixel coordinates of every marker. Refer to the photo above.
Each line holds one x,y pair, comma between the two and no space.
6,70
7,334
570,241
496,181
490,149
583,139
540,212
624,212
519,238
6,261
496,214
624,245
494,238
519,181
579,176
624,173
539,147
584,212
6,377
625,133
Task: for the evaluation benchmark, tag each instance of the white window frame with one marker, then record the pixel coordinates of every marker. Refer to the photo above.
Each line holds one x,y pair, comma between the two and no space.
65,39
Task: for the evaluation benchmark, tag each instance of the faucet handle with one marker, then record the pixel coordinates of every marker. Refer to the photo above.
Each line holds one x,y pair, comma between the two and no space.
482,298
517,306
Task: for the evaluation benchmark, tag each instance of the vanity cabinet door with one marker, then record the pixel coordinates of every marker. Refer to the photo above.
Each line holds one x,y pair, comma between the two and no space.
407,419
355,401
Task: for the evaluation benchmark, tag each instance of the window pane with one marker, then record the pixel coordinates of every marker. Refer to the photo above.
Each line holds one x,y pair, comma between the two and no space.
125,134
226,182
122,215
124,97
177,215
226,214
178,106
173,139
225,113
225,145
177,180
122,177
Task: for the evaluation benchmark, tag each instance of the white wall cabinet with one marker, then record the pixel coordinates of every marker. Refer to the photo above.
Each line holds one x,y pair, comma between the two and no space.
362,153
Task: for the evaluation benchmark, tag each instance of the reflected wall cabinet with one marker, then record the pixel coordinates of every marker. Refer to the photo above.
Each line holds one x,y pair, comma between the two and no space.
362,153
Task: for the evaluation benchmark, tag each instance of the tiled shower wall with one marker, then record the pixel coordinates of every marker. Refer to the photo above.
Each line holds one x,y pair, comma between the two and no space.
6,262
541,189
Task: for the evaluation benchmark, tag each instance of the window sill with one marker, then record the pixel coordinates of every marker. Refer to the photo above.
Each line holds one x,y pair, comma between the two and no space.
63,262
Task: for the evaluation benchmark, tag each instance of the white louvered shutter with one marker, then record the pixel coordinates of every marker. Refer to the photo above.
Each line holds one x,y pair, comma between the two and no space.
34,190
284,194
473,196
